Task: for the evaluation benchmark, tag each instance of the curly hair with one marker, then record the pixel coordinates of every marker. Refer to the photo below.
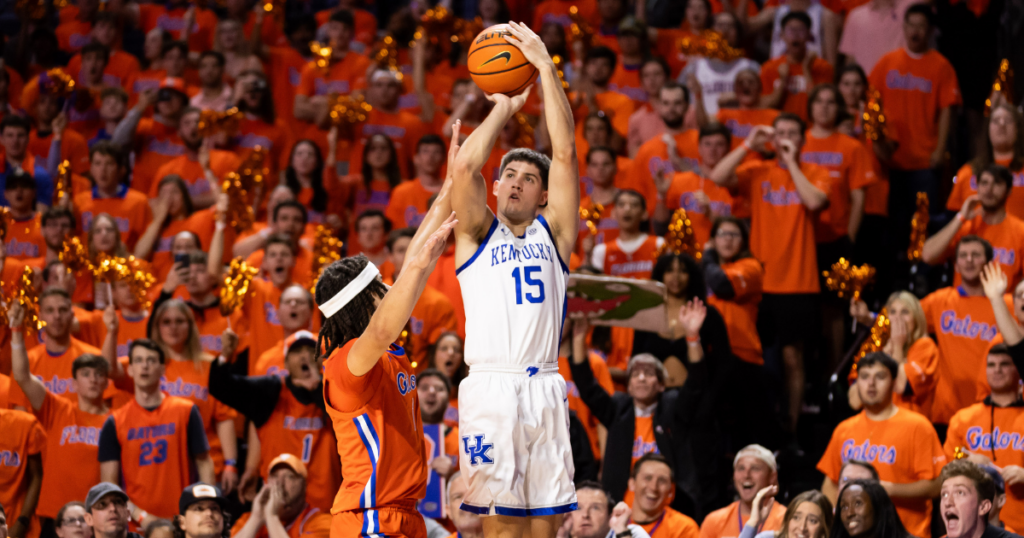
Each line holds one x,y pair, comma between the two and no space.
352,320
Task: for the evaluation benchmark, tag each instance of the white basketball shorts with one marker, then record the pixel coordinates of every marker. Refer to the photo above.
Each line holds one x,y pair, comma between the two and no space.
514,441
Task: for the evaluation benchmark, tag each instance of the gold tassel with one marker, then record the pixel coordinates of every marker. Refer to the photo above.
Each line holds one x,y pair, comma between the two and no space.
326,250
592,217
75,256
6,219
709,44
235,286
386,57
580,30
874,116
848,280
680,238
876,340
64,182
239,215
26,295
212,122
322,57
348,112
1003,84
918,229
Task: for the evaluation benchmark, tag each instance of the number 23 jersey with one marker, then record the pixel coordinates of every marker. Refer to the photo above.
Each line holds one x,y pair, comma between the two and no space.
514,293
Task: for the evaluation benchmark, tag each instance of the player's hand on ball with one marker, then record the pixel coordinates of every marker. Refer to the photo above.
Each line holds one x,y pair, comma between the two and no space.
530,43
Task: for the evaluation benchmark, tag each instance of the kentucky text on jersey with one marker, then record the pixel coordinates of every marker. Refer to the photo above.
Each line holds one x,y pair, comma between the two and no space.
896,81
950,324
868,452
978,439
151,432
530,251
780,197
183,389
80,434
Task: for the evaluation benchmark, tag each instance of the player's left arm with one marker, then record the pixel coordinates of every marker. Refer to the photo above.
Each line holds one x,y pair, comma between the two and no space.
563,206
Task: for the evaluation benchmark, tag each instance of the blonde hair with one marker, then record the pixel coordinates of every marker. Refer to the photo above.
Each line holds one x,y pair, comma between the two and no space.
193,348
920,323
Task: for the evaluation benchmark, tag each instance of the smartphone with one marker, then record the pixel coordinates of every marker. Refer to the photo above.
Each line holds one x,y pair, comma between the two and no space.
182,259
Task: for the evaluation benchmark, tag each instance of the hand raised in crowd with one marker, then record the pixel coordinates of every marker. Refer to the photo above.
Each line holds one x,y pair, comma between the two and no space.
971,207
259,504
147,98
619,520
443,465
993,280
228,479
177,276
758,137
762,505
788,151
691,317
59,124
565,531
110,320
203,155
897,334
15,317
229,344
860,312
1013,475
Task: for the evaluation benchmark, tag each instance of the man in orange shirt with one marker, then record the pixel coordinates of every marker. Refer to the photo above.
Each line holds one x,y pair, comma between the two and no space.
153,440
408,203
598,95
632,253
984,214
346,71
597,516
674,151
402,127
919,88
24,238
288,220
72,428
280,509
21,474
788,79
749,112
784,195
120,64
631,45
51,132
202,168
901,444
653,481
702,199
754,469
295,312
155,140
14,137
129,207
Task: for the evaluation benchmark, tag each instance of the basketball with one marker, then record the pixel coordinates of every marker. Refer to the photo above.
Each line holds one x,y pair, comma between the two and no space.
498,66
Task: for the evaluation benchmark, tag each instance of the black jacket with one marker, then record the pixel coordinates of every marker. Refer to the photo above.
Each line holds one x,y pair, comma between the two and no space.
678,430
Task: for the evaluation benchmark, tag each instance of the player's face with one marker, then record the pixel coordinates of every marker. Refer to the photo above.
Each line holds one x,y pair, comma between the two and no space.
643,385
992,193
629,212
899,309
520,191
1001,374
291,484
601,169
109,516
90,383
676,279
751,475
294,310
824,109
854,472
728,241
370,233
398,249
21,198
104,170
433,397
874,384
465,522
970,258
15,140
711,149
72,525
144,367
174,328
57,313
653,486
428,159
590,520
595,132
807,521
278,263
1002,129
855,511
961,506
203,519
448,355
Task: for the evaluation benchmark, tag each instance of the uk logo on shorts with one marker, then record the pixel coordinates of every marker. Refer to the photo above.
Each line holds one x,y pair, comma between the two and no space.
478,451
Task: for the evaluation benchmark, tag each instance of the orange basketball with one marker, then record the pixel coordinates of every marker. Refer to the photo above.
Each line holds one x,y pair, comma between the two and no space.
498,66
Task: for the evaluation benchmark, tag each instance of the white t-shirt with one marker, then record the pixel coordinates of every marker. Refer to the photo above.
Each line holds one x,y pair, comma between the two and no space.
716,77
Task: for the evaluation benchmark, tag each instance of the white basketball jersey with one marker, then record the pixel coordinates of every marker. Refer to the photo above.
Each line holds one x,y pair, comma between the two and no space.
513,289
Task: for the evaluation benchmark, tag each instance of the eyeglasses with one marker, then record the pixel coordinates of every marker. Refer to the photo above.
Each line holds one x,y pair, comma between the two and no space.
76,521
728,235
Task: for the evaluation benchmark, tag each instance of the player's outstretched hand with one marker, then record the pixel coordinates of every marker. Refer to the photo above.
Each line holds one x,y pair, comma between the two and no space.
453,148
435,244
529,43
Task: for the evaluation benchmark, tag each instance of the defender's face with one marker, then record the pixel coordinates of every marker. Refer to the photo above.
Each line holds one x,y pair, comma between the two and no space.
520,191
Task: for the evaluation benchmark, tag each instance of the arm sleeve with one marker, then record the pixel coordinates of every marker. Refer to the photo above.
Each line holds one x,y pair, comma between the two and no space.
716,279
255,397
125,131
110,447
197,442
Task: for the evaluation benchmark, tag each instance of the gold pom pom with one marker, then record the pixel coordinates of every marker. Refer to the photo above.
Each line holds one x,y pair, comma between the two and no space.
6,219
26,295
321,56
57,82
580,30
212,122
386,57
75,256
1003,84
235,286
709,44
680,238
64,182
326,250
240,214
876,340
592,217
848,281
918,228
874,116
348,112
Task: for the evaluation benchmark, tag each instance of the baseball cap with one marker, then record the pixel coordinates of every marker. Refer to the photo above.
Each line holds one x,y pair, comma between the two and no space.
101,490
759,452
631,26
199,491
299,336
997,478
291,461
173,83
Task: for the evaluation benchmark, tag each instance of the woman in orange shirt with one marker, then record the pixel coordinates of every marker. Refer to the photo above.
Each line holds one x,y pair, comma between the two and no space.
187,375
1004,145
314,182
446,356
173,213
371,189
911,347
103,237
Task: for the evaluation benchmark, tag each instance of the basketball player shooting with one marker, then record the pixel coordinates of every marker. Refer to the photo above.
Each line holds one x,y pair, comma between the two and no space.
514,419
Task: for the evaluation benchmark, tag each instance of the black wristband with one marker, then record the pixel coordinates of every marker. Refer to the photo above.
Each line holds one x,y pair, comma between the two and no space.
24,520
624,534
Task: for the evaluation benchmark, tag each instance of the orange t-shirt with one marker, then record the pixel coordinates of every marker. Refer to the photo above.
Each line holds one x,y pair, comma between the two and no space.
73,148
972,428
403,128
653,156
408,204
284,68
672,524
965,184
603,378
741,121
5,390
378,444
616,106
23,437
432,316
271,362
54,371
1013,512
211,325
727,522
310,523
120,68
73,34
782,228
276,139
914,90
964,327
638,264
191,381
156,145
155,456
740,312
221,162
903,449
921,366
626,81
302,271
557,11
25,238
643,440
1006,238
141,81
681,195
72,450
796,87
158,16
343,76
130,209
260,309
849,167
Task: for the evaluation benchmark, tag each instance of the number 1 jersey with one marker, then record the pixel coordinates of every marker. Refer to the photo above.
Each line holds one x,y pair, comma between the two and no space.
514,293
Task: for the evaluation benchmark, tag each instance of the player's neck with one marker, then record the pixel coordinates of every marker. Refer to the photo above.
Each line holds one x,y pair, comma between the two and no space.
1004,398
149,397
882,411
995,216
93,407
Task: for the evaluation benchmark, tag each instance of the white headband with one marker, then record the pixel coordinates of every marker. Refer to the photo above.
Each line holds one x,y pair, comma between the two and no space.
358,284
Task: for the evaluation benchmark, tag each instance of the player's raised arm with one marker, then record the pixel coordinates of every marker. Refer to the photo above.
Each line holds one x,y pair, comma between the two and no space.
469,194
564,174
441,209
